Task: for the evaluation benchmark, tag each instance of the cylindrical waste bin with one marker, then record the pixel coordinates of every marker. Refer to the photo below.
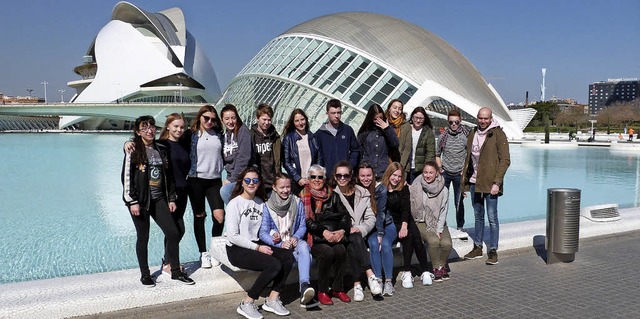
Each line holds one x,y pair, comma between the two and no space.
563,224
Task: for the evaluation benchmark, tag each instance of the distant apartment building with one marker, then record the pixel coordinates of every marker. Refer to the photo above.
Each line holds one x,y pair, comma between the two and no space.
606,93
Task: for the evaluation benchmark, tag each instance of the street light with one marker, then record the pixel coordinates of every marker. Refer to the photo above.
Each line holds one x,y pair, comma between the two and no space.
61,95
180,85
45,90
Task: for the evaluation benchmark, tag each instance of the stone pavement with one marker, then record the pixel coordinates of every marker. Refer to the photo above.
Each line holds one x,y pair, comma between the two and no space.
602,282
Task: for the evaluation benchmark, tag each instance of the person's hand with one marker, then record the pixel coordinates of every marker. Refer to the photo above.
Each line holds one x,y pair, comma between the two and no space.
380,123
293,241
403,233
276,237
338,235
129,147
286,245
265,249
464,195
172,207
226,182
328,236
439,235
303,181
354,230
379,243
495,189
135,209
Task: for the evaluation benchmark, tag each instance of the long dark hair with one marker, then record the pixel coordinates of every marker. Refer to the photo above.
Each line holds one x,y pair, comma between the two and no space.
334,180
368,123
237,190
372,186
290,126
217,124
427,120
388,111
139,155
232,108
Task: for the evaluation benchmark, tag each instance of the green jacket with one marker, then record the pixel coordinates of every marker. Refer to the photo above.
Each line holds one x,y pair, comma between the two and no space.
425,150
494,161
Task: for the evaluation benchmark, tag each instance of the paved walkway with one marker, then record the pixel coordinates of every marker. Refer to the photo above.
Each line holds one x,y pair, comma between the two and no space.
602,282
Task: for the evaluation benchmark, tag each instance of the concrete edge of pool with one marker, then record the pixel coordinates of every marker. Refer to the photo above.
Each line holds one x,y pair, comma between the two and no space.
104,292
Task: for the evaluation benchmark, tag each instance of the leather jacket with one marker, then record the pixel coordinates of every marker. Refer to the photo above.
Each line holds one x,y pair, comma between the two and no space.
291,158
333,216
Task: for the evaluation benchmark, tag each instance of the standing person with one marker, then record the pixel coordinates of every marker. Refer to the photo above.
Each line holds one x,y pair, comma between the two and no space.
399,206
380,242
284,226
485,165
328,224
301,149
245,250
430,203
418,143
267,146
398,120
450,155
631,131
336,139
357,200
149,191
377,140
205,178
237,150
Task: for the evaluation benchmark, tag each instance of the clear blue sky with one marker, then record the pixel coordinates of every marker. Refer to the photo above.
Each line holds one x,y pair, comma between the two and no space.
508,41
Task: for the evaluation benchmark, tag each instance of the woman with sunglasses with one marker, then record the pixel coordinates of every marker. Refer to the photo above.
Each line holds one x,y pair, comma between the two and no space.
300,149
238,149
399,206
450,155
429,204
246,251
380,242
377,140
328,225
418,143
205,178
357,200
149,191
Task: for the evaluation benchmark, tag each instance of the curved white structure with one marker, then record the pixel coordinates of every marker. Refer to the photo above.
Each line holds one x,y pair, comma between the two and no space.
363,58
145,57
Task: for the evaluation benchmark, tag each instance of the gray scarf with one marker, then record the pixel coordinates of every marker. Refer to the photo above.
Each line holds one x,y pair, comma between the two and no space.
433,202
282,206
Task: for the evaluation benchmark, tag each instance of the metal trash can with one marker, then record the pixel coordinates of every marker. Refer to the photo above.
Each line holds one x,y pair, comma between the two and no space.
563,224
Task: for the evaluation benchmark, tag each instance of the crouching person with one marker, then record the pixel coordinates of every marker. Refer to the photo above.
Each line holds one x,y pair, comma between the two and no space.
284,226
243,220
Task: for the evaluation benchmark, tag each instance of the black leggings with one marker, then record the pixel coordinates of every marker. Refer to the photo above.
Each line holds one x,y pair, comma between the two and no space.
330,256
202,189
275,267
159,210
413,242
359,258
178,215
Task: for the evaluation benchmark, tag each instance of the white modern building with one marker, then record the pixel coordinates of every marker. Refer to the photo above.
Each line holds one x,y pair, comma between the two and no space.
364,58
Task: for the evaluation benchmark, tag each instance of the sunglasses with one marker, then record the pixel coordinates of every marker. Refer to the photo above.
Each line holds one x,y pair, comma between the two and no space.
454,122
316,177
248,180
208,118
343,176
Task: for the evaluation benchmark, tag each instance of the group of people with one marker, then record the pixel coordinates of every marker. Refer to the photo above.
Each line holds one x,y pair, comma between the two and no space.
330,195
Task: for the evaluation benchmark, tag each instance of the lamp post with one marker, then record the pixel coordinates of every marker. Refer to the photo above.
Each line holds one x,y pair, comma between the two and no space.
61,95
180,85
45,90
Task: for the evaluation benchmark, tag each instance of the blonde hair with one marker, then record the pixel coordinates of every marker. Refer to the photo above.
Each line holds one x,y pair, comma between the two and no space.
387,174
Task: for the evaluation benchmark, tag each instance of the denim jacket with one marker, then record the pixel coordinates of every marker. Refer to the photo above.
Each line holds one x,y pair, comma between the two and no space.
193,154
383,218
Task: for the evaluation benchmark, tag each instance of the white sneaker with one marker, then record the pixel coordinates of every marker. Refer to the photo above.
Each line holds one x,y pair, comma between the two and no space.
407,279
275,306
388,288
374,286
427,278
358,293
214,262
205,260
249,310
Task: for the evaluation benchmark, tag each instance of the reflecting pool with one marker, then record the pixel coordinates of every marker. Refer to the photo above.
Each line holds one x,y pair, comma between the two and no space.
62,211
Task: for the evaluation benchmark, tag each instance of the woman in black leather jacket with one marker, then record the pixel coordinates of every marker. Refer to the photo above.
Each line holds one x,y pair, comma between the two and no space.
327,222
300,150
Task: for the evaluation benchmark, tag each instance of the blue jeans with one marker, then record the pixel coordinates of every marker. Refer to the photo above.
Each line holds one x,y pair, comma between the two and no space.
455,179
225,192
383,259
478,200
303,257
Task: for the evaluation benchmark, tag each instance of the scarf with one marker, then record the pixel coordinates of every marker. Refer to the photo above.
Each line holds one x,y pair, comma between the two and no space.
282,206
434,201
442,140
319,196
397,123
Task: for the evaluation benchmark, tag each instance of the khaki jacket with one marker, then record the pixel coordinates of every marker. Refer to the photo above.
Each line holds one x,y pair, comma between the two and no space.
425,151
493,163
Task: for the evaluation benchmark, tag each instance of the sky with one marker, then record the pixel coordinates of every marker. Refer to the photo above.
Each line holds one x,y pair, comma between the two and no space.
508,41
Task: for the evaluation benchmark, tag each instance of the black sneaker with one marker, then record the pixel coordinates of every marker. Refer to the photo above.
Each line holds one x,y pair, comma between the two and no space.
493,257
147,281
182,277
306,294
311,304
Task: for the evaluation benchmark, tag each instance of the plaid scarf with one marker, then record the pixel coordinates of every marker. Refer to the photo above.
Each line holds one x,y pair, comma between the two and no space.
319,196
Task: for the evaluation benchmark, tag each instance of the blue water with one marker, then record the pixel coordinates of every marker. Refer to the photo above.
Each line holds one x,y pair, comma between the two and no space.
62,211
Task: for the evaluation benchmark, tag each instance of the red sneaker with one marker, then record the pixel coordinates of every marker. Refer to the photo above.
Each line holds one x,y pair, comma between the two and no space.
341,295
324,298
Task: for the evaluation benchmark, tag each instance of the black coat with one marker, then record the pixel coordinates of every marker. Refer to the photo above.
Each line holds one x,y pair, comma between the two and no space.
333,216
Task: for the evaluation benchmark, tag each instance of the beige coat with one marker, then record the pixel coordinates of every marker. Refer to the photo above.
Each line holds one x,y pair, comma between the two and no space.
361,215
